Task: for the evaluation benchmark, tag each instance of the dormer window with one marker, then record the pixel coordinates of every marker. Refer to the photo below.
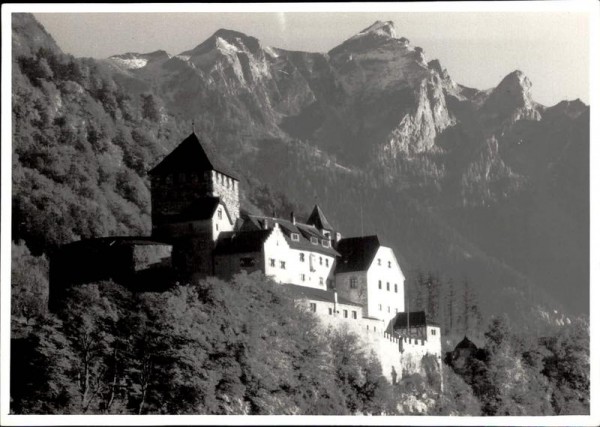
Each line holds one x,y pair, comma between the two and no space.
295,237
326,243
314,240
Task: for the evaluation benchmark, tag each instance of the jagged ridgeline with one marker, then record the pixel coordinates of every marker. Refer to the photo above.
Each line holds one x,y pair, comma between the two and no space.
483,185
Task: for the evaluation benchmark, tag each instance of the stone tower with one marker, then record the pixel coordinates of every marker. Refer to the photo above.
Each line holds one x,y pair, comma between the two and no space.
191,172
195,196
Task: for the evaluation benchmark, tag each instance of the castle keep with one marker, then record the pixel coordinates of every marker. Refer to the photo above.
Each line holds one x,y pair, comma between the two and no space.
198,231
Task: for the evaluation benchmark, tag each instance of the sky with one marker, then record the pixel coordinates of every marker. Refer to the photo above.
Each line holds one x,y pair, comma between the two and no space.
478,49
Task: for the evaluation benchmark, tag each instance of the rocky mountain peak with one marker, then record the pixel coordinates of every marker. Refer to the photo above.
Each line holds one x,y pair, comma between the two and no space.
225,40
512,99
385,29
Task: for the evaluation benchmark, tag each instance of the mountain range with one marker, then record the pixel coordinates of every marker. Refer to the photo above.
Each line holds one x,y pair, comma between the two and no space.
487,185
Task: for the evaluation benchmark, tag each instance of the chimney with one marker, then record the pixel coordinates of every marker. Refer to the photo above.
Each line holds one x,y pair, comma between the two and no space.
293,218
266,224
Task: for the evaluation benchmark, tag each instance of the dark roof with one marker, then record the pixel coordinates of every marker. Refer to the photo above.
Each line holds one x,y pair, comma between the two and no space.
192,155
298,291
236,242
317,218
202,209
357,253
108,242
466,343
417,319
305,232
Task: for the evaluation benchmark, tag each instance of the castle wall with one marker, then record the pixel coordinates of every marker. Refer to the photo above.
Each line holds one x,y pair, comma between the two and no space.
229,190
137,265
192,256
358,293
331,314
226,266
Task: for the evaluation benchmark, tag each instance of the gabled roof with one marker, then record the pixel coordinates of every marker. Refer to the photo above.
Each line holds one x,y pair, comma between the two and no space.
317,218
237,242
466,343
304,232
415,318
192,155
201,209
357,253
314,294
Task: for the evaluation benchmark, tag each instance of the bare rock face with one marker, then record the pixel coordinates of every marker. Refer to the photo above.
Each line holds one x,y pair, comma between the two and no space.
510,102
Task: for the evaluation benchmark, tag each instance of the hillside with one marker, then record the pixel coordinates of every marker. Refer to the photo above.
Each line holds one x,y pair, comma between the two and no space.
482,194
482,185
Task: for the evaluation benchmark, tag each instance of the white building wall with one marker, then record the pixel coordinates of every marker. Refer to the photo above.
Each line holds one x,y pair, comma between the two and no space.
314,271
387,299
277,257
220,221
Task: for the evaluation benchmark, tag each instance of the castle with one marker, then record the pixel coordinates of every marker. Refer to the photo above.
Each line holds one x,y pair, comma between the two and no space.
198,231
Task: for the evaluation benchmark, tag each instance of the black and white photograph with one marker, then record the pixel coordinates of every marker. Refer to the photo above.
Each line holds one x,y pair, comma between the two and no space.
379,213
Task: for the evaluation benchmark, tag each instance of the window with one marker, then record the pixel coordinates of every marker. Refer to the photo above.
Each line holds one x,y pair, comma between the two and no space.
272,262
387,286
247,262
433,332
380,308
330,311
354,314
313,307
378,261
389,310
326,262
396,311
353,282
375,328
314,240
295,237
345,314
379,284
321,281
301,256
320,260
282,265
396,288
389,264
220,213
303,277
217,227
